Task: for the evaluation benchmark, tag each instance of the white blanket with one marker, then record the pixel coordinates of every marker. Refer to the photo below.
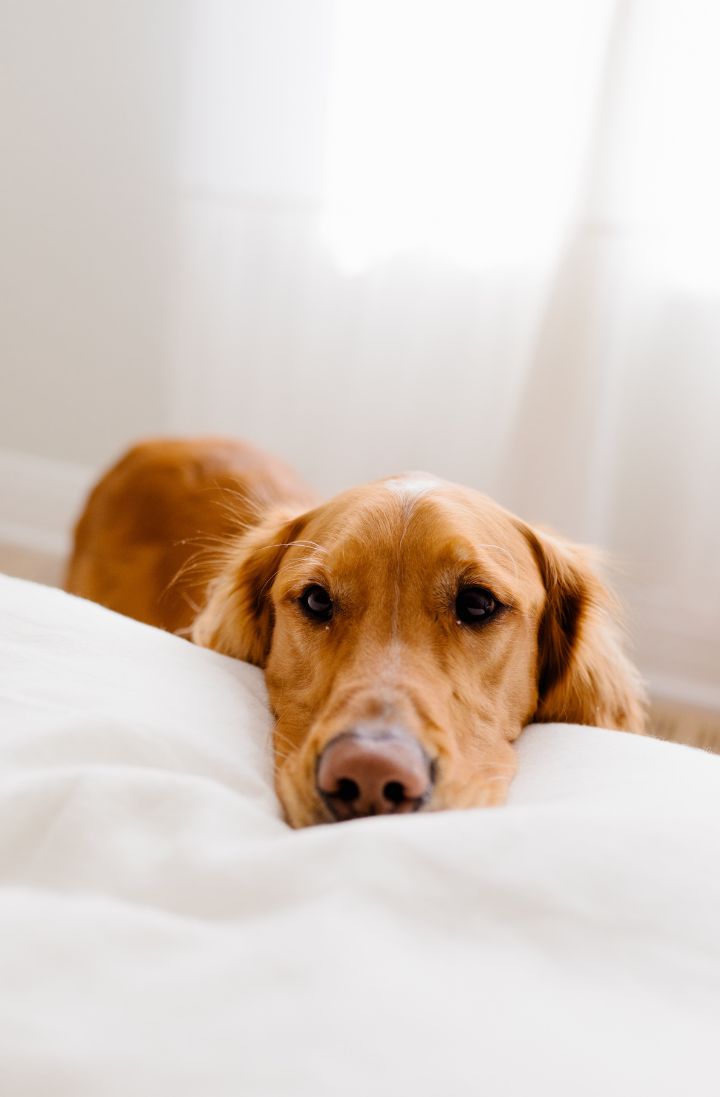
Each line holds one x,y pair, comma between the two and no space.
162,932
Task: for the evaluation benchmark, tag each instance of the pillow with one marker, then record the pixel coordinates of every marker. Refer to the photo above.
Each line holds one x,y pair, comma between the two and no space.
162,931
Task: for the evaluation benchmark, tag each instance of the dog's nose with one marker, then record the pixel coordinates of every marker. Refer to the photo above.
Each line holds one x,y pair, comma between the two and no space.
374,773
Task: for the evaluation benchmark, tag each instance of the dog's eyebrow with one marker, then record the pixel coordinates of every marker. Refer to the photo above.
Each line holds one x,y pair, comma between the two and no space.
297,544
506,552
311,560
311,567
472,566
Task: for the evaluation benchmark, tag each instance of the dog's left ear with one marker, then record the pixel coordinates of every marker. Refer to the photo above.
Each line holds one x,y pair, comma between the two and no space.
237,618
584,676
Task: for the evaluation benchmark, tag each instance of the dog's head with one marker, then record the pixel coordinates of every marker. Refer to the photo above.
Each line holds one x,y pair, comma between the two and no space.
409,630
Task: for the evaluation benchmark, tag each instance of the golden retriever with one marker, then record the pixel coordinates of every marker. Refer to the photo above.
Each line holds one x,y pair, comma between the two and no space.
408,629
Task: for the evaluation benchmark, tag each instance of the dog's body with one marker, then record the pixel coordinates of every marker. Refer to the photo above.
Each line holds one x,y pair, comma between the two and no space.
408,629
145,539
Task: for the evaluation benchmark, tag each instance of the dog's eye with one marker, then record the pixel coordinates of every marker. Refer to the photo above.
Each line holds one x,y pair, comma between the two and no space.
316,603
474,605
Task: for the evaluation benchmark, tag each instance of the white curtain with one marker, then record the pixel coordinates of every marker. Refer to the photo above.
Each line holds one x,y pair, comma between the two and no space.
480,238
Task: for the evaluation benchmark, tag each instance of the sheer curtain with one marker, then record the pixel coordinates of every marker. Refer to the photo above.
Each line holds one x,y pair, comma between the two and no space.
478,238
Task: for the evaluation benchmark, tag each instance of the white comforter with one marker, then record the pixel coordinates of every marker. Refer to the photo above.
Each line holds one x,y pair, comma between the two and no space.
162,932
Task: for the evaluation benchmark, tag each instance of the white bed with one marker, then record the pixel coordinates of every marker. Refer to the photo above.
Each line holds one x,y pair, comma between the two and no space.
162,932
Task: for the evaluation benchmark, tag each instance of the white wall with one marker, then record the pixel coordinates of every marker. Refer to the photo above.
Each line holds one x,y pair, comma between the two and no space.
89,106
208,223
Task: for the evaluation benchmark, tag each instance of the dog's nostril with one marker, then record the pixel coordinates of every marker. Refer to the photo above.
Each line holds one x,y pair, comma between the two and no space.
394,792
347,790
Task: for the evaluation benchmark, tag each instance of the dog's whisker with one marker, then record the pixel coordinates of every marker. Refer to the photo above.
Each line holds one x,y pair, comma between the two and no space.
280,737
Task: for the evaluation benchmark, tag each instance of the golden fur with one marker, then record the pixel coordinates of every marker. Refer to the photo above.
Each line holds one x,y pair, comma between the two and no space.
393,555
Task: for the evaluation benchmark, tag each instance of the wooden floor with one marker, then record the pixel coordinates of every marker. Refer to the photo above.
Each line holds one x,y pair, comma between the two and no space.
25,563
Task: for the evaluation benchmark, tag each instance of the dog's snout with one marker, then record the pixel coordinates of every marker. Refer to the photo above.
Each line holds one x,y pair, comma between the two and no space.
374,773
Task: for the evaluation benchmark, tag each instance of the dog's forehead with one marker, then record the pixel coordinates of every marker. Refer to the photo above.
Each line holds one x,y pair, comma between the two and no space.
409,486
415,512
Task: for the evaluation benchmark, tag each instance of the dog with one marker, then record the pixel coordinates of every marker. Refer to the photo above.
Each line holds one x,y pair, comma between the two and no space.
408,629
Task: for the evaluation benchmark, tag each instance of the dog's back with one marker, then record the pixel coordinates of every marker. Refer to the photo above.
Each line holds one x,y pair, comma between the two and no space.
145,542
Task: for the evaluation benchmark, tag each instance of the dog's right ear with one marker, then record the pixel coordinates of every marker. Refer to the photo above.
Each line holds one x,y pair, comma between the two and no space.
238,616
